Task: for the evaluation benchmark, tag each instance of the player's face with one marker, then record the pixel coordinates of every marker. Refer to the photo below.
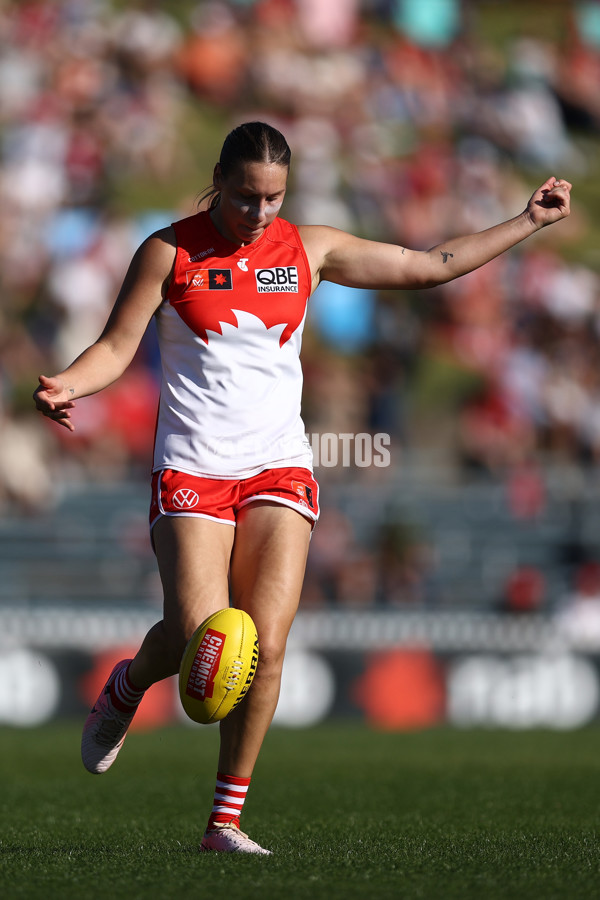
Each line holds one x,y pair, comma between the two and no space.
251,197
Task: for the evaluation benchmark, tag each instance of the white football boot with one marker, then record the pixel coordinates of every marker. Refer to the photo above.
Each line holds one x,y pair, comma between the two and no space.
229,839
105,729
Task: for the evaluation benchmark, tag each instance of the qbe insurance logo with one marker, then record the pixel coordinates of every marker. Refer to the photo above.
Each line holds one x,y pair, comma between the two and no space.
279,279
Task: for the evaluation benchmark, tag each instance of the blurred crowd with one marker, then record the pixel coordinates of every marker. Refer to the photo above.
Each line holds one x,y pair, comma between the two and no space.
405,126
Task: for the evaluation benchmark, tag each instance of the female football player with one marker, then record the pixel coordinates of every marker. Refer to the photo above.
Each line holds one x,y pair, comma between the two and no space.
233,495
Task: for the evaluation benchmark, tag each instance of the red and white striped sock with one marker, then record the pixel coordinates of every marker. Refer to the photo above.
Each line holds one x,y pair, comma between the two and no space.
230,794
125,696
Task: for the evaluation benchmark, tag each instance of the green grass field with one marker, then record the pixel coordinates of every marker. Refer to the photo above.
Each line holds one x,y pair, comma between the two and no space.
349,813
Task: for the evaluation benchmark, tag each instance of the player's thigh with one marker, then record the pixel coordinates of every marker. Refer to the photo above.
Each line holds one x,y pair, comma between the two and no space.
267,568
193,557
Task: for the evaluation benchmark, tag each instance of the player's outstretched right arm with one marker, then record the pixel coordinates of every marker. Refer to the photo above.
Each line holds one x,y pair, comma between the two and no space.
104,361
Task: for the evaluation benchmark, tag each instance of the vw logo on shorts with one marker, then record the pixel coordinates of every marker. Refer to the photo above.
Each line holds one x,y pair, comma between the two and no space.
185,498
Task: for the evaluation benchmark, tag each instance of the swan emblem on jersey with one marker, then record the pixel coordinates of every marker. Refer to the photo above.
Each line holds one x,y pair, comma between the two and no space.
272,295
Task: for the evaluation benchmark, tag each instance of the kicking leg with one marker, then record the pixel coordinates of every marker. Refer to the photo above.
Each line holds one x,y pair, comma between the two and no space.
193,558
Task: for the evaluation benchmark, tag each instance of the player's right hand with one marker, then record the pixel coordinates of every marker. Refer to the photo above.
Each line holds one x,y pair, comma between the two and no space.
52,399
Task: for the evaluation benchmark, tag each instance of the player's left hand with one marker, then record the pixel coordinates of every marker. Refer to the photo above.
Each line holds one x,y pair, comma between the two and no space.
551,202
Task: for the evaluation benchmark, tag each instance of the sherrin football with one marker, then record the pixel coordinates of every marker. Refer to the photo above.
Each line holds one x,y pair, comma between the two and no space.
218,665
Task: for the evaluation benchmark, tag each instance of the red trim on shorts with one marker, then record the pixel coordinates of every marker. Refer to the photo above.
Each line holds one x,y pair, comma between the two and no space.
180,494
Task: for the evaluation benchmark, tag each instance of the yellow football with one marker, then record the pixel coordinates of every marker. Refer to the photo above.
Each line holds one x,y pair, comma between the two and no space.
218,665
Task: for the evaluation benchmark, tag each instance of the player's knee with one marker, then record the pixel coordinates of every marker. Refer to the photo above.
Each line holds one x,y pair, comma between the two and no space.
270,659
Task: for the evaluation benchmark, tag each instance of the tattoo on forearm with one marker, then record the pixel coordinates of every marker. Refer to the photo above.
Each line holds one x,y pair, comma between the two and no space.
445,255
71,391
403,250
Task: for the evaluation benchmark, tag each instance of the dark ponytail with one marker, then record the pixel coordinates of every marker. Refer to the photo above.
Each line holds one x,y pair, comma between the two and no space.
250,142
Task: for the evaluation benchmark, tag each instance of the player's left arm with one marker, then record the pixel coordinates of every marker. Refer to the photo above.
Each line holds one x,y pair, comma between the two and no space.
342,258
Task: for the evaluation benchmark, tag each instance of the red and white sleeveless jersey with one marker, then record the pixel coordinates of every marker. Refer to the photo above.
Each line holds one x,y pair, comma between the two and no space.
230,332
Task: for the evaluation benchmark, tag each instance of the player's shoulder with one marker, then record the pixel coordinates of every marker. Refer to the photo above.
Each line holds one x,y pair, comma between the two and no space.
161,244
321,233
165,236
320,240
156,253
